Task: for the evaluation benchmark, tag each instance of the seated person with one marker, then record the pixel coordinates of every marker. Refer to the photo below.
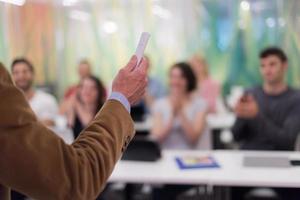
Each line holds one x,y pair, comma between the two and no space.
179,119
268,116
208,88
155,89
43,104
82,107
84,70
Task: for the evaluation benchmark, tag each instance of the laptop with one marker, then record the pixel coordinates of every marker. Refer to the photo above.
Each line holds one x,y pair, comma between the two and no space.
266,161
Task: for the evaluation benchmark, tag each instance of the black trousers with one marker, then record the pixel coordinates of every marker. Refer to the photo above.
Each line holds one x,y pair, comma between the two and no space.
170,192
239,193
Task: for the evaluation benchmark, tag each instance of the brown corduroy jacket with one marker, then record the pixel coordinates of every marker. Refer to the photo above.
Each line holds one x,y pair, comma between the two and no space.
37,163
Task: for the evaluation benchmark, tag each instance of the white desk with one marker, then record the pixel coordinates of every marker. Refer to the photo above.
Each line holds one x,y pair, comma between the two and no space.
231,173
162,171
214,121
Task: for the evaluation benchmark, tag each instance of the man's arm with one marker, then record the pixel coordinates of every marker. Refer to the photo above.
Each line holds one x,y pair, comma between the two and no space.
36,162
283,137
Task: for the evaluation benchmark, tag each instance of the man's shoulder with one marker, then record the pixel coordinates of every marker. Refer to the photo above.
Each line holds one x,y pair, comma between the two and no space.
254,89
294,95
44,96
295,92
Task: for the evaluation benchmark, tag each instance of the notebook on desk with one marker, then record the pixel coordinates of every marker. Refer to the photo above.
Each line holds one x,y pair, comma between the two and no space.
196,162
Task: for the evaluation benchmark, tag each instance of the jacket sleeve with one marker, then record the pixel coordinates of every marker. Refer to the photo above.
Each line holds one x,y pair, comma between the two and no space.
283,137
36,162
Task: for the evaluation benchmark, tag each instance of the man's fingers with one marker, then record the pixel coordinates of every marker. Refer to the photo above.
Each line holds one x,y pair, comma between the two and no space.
143,66
139,94
142,88
131,64
239,109
250,98
238,106
240,112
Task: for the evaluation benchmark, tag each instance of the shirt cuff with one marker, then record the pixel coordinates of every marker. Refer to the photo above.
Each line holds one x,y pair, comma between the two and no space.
121,98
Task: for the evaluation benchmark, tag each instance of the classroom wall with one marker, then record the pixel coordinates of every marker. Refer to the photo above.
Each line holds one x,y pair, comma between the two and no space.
55,35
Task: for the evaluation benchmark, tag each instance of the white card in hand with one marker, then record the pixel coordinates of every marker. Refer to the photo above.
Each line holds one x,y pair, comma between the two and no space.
142,46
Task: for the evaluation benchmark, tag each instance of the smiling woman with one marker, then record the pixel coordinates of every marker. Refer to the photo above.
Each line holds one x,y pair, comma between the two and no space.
82,107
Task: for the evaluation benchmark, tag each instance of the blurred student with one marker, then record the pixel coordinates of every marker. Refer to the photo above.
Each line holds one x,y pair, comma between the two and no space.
155,89
268,116
179,121
208,88
84,70
82,107
43,104
179,118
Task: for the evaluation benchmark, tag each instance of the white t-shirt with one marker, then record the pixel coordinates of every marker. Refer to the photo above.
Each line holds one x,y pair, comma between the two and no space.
44,105
177,139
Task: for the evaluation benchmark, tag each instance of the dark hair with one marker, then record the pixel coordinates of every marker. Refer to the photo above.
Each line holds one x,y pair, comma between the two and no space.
101,91
22,60
274,51
188,74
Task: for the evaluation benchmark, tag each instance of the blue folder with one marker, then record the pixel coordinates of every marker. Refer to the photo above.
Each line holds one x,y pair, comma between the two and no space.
194,162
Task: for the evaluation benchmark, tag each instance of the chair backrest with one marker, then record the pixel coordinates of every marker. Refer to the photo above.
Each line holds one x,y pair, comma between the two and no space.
138,112
142,149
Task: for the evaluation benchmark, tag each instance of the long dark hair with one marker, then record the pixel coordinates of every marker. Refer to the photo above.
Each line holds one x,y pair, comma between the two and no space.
101,97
